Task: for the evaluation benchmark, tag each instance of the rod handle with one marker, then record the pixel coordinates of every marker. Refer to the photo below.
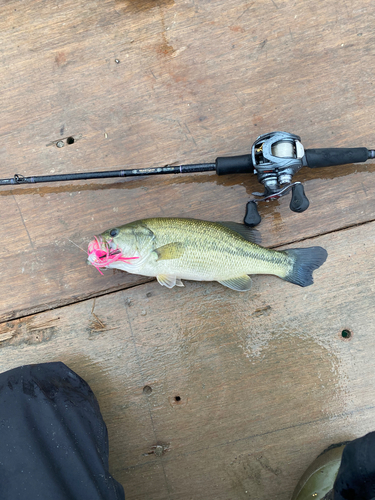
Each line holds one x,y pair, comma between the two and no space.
234,165
328,157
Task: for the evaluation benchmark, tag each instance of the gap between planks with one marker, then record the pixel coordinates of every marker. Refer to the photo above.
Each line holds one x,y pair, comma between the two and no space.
14,315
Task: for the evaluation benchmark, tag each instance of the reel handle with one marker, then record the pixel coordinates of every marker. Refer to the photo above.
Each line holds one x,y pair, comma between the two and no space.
252,217
299,202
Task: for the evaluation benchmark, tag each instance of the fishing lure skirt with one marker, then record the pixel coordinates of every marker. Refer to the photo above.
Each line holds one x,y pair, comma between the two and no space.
53,440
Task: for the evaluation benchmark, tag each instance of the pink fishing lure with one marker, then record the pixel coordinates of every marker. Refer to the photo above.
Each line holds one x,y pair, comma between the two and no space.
101,255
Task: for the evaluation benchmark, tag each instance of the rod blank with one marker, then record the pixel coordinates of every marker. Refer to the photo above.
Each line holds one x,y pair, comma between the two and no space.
179,169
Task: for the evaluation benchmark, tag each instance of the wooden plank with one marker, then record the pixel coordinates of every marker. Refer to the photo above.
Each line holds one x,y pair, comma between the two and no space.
265,379
42,267
194,81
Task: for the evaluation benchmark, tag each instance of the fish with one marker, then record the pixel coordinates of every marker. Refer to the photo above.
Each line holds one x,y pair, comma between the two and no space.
173,249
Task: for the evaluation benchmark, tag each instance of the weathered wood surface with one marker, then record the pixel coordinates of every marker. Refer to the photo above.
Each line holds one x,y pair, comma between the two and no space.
265,379
195,80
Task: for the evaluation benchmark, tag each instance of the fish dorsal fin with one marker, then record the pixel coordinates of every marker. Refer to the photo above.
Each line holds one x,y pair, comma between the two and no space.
248,233
241,283
169,281
170,251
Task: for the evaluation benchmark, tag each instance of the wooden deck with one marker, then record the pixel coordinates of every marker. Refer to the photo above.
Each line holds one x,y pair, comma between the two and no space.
238,391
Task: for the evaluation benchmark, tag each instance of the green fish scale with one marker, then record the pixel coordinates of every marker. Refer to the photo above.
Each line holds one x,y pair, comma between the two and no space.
212,251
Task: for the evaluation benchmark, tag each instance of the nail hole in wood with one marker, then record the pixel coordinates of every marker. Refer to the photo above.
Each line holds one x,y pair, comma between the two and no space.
346,334
147,390
177,399
70,140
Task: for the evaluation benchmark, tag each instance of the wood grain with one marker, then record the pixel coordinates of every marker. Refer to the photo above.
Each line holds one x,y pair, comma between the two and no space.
193,80
265,379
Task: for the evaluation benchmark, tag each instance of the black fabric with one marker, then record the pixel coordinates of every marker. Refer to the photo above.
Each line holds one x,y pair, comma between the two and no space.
356,477
53,440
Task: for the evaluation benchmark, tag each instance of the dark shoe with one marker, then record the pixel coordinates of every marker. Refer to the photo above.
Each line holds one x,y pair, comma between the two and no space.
317,482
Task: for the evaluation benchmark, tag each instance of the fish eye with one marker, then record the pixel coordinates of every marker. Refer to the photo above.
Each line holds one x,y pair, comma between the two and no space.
114,232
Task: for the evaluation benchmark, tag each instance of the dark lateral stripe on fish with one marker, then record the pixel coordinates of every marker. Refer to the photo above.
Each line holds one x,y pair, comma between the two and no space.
277,257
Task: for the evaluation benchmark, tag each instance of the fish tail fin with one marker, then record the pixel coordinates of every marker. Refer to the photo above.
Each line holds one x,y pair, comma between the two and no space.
306,260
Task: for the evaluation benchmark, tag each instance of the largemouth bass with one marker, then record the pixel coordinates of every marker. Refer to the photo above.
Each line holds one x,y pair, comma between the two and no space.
175,249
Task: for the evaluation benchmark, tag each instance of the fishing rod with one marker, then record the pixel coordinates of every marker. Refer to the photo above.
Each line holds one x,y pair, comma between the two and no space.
274,158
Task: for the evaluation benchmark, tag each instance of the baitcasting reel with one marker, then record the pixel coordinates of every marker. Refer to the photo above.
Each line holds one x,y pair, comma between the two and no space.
274,158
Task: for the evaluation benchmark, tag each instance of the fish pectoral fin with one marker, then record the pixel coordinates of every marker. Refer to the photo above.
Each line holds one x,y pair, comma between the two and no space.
248,233
241,283
168,281
170,251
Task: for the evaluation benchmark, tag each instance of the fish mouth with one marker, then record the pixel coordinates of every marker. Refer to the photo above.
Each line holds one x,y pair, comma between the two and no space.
101,253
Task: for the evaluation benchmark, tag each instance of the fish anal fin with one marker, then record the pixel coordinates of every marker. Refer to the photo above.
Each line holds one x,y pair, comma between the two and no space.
170,251
248,233
168,281
241,283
